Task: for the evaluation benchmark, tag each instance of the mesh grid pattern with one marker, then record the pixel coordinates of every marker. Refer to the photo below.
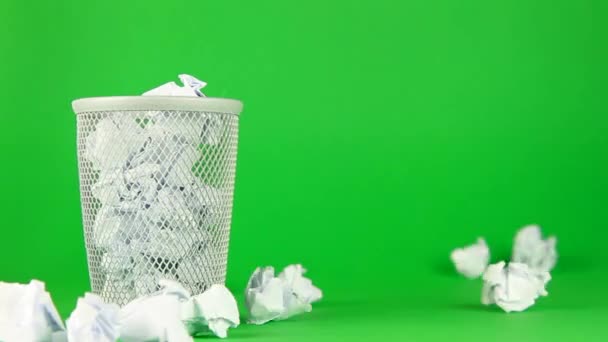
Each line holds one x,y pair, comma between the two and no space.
156,193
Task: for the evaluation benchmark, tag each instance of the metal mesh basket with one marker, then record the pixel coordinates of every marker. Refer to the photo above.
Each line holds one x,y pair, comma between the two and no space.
156,185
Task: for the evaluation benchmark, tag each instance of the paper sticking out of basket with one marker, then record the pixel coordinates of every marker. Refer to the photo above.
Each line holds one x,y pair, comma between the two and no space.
192,87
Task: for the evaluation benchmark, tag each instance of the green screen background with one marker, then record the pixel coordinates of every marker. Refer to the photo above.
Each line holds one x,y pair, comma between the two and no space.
376,136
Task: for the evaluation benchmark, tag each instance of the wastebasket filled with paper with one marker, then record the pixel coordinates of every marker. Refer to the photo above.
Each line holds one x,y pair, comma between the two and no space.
156,185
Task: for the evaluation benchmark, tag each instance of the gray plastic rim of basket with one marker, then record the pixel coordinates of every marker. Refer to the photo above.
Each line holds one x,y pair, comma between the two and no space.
177,103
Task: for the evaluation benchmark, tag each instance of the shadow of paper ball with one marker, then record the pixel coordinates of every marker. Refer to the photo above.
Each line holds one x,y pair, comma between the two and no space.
574,264
475,307
445,268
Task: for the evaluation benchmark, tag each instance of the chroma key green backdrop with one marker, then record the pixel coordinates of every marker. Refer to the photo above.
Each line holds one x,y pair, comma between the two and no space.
376,136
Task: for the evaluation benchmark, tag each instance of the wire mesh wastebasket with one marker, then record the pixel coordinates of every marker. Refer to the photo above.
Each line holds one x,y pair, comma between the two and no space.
156,187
